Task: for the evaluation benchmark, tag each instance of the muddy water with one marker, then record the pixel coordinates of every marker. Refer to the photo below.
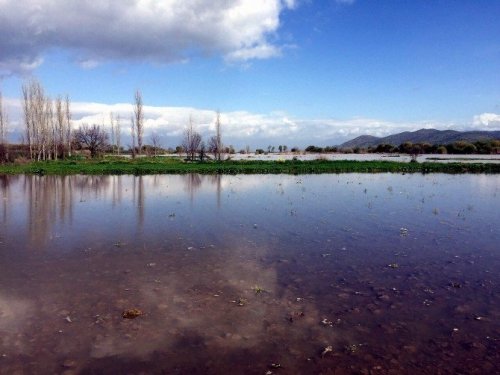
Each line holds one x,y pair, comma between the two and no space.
351,273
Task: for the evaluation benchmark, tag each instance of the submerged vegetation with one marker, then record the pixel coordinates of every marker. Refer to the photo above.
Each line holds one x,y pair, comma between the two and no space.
169,165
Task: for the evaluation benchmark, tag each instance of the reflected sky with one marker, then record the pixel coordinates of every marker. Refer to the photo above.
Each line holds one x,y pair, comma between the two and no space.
236,272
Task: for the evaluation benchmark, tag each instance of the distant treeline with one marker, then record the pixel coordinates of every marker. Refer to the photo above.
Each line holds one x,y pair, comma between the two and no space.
459,147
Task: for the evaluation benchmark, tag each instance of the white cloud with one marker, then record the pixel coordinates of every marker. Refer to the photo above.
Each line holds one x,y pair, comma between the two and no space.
243,127
150,30
490,121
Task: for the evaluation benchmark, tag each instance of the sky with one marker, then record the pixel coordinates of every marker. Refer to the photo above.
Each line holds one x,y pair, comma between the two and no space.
281,72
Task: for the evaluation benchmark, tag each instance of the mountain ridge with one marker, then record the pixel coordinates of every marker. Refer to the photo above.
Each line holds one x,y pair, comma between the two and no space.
432,136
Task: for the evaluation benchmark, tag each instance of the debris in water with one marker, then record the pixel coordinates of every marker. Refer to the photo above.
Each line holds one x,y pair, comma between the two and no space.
403,231
240,302
275,365
68,319
353,348
393,265
326,350
326,322
132,313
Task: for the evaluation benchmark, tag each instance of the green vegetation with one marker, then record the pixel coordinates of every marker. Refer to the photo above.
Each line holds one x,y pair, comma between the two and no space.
483,147
169,165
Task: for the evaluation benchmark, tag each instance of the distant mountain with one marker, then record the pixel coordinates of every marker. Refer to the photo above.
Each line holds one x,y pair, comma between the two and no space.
431,136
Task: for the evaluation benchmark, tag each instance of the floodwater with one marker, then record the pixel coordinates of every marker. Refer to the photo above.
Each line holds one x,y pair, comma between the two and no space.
254,274
434,158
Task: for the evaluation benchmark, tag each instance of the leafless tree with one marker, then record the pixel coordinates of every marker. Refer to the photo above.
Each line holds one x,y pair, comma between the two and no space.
3,122
139,119
62,131
34,117
213,146
132,134
4,152
94,138
118,134
218,136
44,130
112,131
155,142
68,124
202,151
191,141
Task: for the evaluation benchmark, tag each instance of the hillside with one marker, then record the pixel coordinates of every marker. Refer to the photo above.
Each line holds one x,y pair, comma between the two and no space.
431,136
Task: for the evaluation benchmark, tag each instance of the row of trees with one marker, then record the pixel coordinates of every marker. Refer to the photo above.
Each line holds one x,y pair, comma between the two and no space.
48,133
47,123
459,147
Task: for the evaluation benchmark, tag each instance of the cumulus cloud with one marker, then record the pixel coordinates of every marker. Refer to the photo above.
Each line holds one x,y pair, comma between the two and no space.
490,121
242,128
151,30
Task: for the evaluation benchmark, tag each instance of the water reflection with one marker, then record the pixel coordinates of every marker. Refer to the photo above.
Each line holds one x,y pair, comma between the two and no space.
234,273
50,200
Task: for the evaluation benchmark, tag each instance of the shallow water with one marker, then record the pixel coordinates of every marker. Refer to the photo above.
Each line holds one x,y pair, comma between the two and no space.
434,158
394,273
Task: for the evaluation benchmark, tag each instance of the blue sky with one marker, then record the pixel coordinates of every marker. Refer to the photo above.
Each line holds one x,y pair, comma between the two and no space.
291,72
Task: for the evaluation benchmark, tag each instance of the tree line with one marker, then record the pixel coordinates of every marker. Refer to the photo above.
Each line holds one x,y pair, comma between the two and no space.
458,147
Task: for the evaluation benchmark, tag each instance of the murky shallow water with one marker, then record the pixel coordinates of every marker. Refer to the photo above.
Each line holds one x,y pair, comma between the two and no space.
394,273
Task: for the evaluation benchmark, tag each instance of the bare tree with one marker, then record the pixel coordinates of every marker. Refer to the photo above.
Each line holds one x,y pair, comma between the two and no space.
191,141
118,135
3,122
218,136
61,128
132,134
213,146
47,123
202,151
139,119
155,142
112,131
4,152
94,138
68,124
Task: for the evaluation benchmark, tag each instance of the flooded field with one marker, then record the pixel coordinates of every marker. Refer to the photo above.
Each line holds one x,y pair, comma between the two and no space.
255,274
405,158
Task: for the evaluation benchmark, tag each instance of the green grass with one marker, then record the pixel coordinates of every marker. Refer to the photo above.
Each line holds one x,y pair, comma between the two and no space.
114,166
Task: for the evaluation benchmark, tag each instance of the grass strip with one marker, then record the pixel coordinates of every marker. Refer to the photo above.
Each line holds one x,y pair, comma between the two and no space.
143,166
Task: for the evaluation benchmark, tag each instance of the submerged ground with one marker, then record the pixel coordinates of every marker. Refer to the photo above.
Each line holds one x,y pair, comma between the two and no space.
363,273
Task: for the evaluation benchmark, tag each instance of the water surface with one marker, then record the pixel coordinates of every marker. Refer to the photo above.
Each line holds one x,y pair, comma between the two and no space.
394,273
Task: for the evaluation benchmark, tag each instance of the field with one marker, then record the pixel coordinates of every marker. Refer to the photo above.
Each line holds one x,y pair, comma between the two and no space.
168,165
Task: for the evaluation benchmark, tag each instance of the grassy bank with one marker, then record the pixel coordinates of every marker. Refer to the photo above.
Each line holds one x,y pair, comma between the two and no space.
175,166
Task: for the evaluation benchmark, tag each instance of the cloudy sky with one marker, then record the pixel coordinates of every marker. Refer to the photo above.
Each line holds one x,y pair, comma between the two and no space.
293,72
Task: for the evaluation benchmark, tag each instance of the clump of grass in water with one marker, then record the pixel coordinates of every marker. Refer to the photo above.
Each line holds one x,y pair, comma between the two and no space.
258,290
